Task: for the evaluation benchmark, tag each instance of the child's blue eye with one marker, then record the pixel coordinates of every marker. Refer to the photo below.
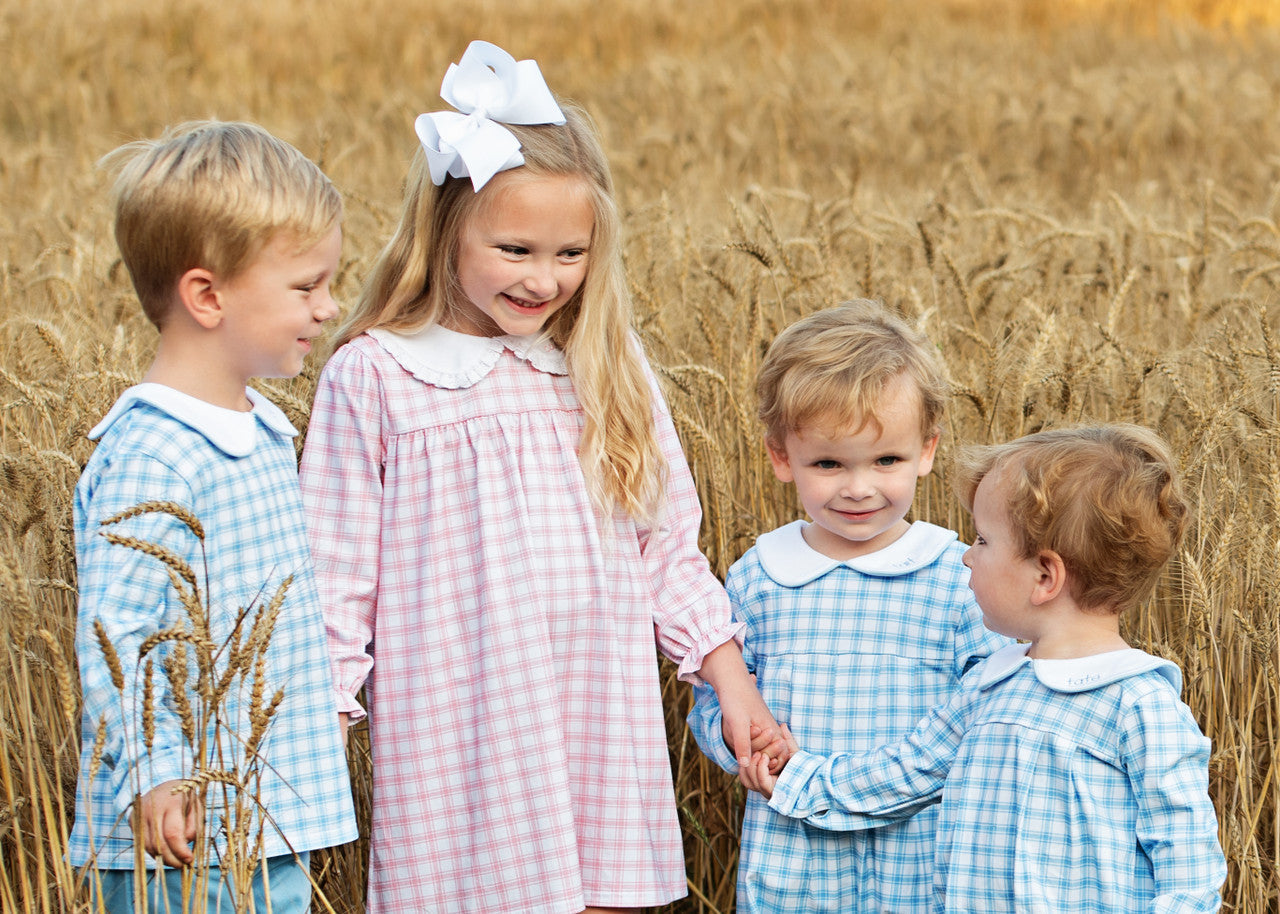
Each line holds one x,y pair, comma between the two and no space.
827,464
513,249
887,461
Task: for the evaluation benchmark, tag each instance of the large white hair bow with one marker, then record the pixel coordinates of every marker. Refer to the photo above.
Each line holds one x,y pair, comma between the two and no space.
490,88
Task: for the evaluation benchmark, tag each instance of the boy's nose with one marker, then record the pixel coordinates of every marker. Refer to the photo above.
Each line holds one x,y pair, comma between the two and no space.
858,486
326,307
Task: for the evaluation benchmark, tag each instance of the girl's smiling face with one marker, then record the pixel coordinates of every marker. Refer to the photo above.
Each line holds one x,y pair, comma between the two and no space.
523,254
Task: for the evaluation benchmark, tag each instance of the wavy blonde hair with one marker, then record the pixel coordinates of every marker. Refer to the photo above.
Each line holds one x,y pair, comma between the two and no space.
833,366
415,283
1106,498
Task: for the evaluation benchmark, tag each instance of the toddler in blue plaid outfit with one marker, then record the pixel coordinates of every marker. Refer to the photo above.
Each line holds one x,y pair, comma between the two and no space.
232,238
857,621
1072,777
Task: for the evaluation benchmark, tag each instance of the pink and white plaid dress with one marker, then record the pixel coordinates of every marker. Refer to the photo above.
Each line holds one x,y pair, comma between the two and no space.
505,637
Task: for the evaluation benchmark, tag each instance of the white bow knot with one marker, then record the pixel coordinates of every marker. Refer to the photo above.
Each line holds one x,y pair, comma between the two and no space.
490,88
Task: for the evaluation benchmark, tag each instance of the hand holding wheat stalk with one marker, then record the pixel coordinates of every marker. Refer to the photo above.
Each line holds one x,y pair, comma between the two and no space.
214,690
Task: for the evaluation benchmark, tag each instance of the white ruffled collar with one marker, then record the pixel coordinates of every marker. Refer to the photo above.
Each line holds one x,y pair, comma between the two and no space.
792,562
230,430
1080,674
446,358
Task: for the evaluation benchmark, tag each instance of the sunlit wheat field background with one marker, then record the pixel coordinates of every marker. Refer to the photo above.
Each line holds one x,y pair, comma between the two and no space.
1078,201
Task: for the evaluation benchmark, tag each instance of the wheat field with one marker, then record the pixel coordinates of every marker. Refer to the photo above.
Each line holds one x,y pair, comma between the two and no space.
1079,201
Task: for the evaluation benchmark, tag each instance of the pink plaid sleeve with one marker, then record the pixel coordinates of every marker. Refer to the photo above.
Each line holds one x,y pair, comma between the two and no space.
341,476
690,607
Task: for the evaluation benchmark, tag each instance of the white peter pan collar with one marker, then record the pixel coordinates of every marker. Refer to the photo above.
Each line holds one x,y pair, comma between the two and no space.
790,561
1081,674
232,431
446,358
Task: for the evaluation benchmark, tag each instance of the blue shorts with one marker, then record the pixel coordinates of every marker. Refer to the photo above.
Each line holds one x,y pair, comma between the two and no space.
287,884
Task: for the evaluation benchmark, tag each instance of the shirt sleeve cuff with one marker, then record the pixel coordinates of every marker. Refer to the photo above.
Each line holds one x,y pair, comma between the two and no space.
348,705
157,767
692,662
788,792
706,723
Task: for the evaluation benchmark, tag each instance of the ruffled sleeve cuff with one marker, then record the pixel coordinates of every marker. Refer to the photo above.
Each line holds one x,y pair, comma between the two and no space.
347,704
691,663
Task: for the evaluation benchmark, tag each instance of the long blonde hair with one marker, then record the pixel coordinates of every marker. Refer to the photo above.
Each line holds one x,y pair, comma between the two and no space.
414,284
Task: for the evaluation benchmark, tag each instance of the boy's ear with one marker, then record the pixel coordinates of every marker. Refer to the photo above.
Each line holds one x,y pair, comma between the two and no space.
198,294
781,465
1052,579
927,455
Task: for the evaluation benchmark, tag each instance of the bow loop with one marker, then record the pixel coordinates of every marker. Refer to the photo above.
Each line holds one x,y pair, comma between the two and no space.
490,88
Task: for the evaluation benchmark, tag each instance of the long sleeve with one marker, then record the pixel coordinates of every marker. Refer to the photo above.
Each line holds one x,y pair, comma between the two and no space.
852,792
342,476
201,581
706,723
128,595
691,609
705,719
1167,760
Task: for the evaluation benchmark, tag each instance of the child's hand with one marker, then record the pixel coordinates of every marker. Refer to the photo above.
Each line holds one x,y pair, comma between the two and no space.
171,820
755,775
761,772
745,718
772,744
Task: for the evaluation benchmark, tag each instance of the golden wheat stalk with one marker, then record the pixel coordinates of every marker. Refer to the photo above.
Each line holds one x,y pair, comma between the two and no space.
171,508
168,556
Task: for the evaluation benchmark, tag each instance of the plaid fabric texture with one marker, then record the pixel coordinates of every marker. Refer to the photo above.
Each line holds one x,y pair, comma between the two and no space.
850,661
254,538
504,635
1052,801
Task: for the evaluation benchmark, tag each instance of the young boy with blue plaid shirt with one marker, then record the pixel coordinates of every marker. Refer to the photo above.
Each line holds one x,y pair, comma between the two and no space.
232,238
1072,777
857,621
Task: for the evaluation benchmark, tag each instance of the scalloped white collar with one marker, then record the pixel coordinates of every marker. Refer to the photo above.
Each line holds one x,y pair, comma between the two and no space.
790,561
232,431
446,358
1080,674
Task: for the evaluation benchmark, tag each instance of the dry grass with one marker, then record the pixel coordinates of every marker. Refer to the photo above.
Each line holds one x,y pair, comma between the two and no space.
1080,202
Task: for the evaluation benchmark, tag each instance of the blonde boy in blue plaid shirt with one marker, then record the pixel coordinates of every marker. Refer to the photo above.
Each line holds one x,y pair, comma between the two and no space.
1072,777
232,238
858,621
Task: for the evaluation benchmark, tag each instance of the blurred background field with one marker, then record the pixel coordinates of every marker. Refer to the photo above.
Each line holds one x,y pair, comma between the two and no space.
1079,201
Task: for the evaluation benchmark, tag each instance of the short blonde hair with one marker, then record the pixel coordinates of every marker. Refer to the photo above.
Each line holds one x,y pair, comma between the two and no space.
212,194
833,367
1107,499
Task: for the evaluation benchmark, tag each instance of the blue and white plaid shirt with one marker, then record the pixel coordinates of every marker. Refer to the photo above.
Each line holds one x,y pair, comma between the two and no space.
237,473
850,655
1066,786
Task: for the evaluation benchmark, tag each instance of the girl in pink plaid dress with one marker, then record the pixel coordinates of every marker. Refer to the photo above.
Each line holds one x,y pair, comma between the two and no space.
502,518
